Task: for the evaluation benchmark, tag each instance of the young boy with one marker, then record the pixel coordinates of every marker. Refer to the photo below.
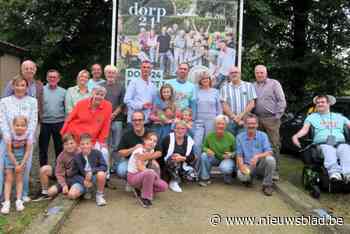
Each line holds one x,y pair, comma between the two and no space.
69,182
90,164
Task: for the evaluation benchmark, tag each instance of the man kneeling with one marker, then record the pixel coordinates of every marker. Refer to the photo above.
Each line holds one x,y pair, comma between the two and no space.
254,155
90,164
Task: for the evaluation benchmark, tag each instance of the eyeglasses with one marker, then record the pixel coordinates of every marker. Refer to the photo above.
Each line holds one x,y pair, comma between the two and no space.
137,120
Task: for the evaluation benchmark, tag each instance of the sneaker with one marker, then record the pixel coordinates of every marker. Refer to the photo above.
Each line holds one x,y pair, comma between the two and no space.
145,203
204,183
19,205
41,196
26,199
6,205
174,186
100,200
335,176
128,188
276,177
267,190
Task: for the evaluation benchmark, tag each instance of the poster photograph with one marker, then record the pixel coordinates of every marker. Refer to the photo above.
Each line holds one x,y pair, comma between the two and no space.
170,32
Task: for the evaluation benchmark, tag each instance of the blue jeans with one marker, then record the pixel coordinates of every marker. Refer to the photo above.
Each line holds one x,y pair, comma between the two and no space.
121,167
115,134
226,166
200,131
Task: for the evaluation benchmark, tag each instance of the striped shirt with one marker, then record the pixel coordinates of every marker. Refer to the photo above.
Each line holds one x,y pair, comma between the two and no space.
237,96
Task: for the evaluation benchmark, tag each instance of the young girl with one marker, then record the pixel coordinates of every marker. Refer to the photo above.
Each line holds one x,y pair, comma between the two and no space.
18,151
163,112
140,176
187,118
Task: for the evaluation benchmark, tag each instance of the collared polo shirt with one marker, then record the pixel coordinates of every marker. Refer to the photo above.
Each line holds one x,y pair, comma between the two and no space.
247,148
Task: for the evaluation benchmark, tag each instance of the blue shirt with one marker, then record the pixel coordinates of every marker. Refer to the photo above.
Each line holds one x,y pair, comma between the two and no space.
184,94
247,148
138,93
327,124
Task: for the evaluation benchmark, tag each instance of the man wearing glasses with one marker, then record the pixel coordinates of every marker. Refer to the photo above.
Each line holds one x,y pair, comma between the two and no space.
130,141
238,99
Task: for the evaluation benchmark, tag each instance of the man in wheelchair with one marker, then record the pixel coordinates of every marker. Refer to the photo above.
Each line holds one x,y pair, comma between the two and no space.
329,135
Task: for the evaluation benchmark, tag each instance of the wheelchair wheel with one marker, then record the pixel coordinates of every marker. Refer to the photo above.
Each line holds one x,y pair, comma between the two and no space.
315,192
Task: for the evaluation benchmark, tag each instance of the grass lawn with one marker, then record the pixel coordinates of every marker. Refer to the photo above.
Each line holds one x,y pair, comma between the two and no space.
291,170
16,222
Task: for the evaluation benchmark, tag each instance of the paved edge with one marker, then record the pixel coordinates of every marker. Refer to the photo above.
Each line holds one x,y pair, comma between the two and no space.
47,223
51,223
304,203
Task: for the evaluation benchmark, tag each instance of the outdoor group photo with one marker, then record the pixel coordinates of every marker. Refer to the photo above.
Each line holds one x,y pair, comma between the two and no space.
177,107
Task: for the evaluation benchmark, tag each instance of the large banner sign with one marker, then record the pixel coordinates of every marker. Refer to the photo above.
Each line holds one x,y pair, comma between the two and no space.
202,33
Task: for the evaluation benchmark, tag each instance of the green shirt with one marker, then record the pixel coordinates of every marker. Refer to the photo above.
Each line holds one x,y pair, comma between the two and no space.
219,145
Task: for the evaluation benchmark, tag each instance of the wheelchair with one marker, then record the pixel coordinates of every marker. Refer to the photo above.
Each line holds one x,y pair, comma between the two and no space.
315,177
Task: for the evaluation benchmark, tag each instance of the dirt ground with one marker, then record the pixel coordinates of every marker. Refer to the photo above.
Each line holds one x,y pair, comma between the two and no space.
187,212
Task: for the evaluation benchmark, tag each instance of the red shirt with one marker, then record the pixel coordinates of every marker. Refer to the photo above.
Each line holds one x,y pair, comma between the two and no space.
83,119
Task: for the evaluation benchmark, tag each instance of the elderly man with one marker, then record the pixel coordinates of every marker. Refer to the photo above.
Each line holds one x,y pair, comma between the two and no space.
238,99
141,93
92,116
35,87
270,106
130,141
115,94
184,90
96,71
226,59
329,133
254,155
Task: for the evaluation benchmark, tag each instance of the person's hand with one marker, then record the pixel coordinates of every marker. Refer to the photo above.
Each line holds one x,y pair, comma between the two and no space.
296,141
210,153
227,155
87,183
245,169
65,190
18,169
253,161
113,115
147,105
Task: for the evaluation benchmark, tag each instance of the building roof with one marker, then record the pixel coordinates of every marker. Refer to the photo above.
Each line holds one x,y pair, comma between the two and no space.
12,49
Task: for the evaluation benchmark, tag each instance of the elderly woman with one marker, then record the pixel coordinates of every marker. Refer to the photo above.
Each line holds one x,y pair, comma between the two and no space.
177,156
76,93
218,150
208,106
18,104
92,116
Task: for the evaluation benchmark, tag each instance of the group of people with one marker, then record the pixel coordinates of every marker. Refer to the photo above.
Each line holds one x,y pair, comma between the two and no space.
195,46
172,135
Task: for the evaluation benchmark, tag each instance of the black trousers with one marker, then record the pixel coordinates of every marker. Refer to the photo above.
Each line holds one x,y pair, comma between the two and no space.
46,131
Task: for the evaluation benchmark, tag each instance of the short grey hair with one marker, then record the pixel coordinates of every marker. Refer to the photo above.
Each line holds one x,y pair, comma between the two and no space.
98,88
221,118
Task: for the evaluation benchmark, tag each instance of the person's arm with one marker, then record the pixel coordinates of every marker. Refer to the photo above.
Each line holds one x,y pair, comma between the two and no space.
302,132
8,91
73,115
104,131
281,103
69,104
28,149
227,110
4,122
140,165
249,107
60,171
10,153
33,120
129,98
218,104
126,152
